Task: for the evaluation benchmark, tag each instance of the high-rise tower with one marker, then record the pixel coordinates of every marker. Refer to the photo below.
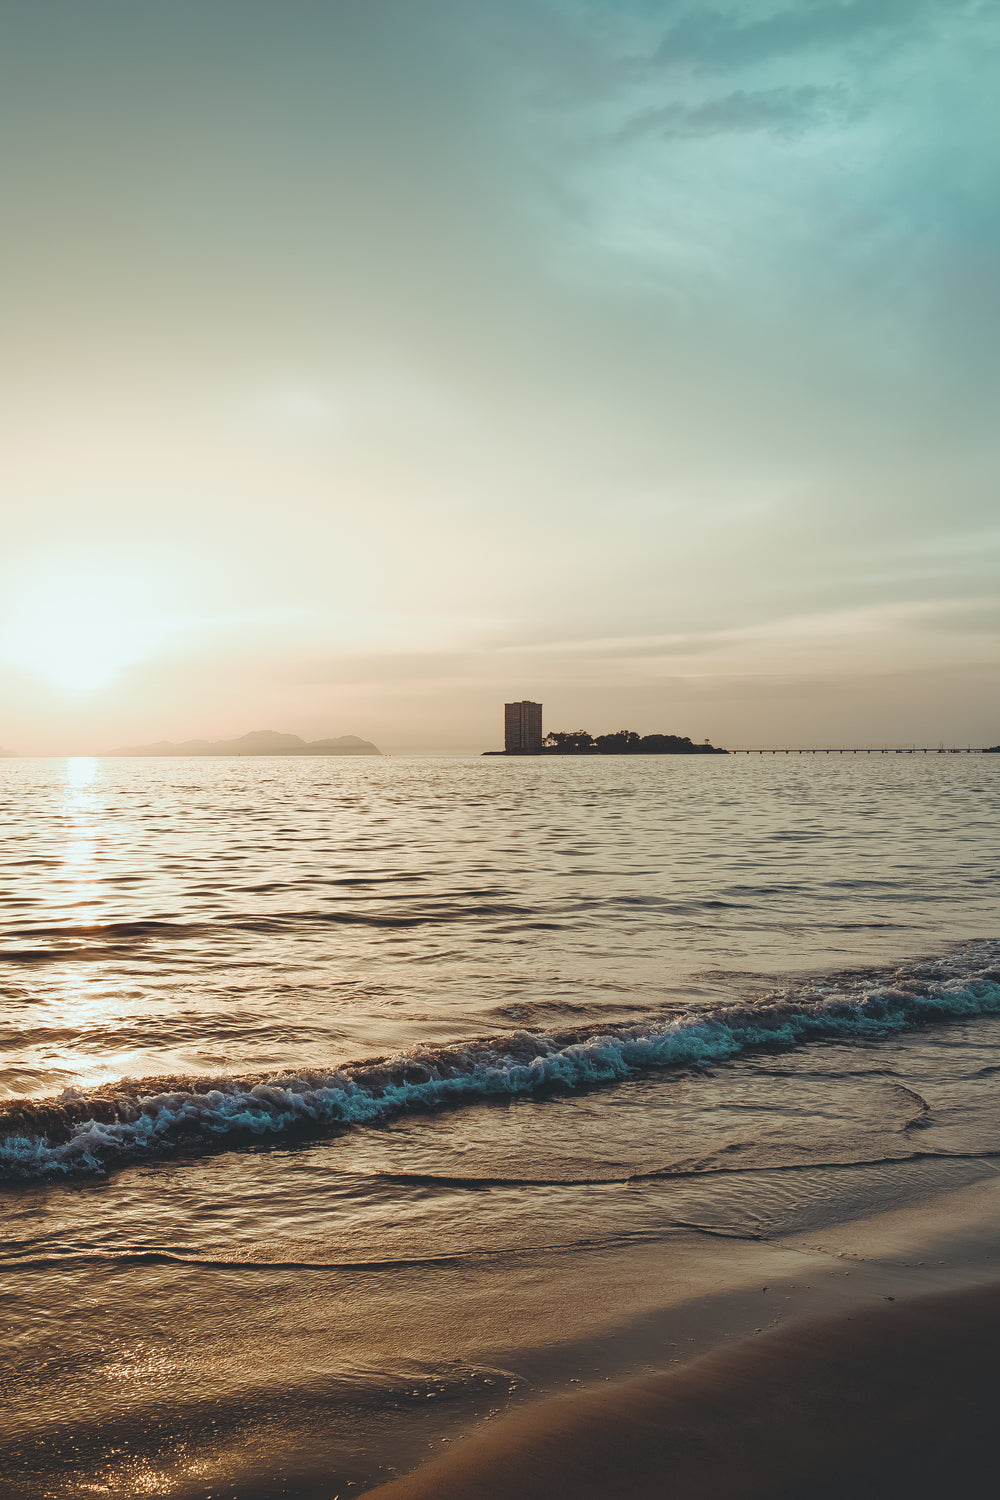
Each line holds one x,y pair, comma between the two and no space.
522,728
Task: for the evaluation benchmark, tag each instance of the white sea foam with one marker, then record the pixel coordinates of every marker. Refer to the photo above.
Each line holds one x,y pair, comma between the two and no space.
81,1133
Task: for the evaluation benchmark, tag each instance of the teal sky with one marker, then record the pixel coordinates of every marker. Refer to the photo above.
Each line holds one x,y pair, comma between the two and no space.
366,364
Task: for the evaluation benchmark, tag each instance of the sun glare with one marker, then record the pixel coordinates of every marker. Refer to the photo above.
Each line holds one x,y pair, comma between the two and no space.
77,627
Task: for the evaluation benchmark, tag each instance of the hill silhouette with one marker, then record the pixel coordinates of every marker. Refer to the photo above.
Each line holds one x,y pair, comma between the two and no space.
257,742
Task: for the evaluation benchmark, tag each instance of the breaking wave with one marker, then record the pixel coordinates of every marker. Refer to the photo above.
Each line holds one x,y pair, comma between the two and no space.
87,1131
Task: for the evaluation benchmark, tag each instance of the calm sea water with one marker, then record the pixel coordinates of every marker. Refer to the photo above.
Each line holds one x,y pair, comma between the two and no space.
739,994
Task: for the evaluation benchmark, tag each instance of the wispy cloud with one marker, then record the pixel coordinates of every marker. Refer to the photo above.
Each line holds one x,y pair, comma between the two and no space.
779,111
711,38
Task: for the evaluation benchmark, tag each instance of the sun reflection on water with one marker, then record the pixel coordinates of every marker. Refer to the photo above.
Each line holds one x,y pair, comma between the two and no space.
80,994
81,849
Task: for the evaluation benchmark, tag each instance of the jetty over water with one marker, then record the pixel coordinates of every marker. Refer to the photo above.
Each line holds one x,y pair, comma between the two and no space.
864,750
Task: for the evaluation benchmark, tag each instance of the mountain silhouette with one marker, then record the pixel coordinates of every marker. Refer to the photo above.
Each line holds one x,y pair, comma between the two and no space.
257,742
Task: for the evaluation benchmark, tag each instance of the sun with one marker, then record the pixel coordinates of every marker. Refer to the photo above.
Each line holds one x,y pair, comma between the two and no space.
78,623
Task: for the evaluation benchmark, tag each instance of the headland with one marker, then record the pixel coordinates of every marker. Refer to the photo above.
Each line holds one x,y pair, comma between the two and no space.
620,742
257,742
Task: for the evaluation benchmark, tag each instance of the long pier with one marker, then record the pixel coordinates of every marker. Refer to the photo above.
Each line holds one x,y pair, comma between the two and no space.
875,750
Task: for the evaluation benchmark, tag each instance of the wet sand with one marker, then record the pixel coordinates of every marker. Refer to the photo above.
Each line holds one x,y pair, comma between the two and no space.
544,1371
894,1394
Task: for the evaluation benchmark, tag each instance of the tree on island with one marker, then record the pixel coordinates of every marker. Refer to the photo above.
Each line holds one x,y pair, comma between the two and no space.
623,742
570,742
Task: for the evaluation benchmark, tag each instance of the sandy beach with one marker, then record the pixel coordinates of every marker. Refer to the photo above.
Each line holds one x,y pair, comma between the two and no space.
871,1370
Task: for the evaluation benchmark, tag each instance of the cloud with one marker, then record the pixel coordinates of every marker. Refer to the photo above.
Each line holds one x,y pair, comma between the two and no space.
781,111
711,38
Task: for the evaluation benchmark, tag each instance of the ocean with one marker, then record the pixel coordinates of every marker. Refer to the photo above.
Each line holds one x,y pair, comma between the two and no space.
348,1102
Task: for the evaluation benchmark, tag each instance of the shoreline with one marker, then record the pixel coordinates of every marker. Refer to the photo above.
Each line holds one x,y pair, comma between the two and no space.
893,1401
875,1376
316,1370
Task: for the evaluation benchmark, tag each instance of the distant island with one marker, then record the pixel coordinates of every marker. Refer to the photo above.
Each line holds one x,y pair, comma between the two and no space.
621,742
257,742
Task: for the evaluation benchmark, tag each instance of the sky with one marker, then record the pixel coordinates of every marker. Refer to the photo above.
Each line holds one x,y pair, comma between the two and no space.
367,363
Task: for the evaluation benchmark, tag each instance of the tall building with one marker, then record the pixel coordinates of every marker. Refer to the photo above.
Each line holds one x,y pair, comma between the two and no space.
522,728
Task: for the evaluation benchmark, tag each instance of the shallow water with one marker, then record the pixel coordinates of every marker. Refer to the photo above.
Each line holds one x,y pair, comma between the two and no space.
268,1309
179,915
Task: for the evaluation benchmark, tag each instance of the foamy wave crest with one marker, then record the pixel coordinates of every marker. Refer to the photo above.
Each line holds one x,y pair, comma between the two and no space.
86,1132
